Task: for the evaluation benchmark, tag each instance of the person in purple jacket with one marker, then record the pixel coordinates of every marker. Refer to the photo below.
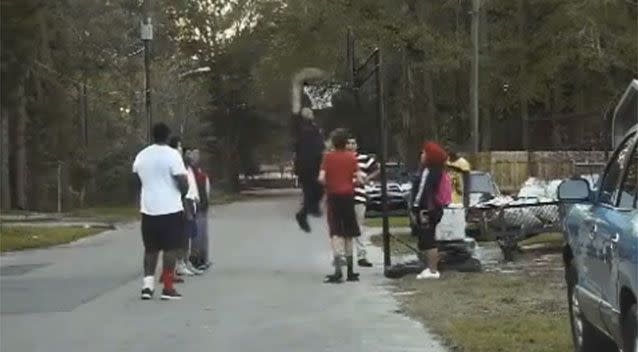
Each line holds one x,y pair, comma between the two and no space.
431,192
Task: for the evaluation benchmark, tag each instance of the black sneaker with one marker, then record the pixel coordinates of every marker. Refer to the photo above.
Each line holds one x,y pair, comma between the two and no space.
205,266
333,279
353,277
147,294
303,222
170,295
364,263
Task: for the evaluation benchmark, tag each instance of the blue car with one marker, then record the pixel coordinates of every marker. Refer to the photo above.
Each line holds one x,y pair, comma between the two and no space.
601,253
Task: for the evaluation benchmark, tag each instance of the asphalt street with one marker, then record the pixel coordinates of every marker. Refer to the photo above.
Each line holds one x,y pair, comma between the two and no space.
265,293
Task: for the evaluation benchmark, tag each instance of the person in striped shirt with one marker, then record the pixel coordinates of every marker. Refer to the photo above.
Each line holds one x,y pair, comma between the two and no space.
368,170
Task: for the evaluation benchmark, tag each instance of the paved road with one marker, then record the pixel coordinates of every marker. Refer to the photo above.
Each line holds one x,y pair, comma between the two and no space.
264,294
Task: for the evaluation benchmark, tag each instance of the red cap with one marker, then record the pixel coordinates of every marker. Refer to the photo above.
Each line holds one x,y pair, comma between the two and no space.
435,155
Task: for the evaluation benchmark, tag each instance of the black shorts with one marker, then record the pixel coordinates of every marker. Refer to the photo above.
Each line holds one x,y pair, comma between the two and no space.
342,219
162,232
426,229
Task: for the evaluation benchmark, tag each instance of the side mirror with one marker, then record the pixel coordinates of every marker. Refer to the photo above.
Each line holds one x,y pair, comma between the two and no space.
574,190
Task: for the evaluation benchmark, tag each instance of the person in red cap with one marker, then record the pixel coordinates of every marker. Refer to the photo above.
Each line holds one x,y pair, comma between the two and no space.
431,192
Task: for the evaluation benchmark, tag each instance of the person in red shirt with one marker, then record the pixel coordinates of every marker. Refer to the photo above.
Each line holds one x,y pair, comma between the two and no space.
339,170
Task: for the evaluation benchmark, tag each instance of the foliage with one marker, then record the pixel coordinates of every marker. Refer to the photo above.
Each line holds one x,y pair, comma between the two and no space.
542,58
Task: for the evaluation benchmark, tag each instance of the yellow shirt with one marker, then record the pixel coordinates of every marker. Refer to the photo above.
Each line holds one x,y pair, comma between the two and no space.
456,170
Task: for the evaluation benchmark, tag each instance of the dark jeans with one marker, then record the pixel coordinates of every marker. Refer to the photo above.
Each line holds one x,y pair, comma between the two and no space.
427,229
312,194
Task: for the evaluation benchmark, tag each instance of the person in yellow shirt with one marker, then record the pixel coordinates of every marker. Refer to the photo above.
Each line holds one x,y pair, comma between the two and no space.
457,167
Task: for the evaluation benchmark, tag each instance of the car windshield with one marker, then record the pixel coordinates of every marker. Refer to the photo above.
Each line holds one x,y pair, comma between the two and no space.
481,183
396,173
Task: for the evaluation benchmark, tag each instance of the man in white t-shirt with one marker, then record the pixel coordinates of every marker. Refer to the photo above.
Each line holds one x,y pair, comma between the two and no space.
163,180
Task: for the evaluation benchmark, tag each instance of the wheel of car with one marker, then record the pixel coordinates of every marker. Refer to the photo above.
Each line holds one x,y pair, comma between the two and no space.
585,336
630,329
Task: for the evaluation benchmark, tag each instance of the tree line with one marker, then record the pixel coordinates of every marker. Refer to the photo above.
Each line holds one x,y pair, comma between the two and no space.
73,79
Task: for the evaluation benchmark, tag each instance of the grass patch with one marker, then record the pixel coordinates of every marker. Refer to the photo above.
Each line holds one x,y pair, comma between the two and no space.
522,311
26,237
132,212
109,214
493,312
548,239
396,247
226,198
488,312
395,221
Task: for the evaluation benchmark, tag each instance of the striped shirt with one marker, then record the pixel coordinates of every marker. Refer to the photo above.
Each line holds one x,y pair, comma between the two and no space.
366,163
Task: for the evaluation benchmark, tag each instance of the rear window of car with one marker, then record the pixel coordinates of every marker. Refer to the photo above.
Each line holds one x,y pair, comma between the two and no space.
615,170
630,184
481,183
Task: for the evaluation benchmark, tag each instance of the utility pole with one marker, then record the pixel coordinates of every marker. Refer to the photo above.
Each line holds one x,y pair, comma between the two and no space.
146,32
474,86
85,116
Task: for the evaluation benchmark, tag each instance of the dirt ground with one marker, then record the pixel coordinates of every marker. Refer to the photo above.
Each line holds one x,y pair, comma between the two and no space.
520,306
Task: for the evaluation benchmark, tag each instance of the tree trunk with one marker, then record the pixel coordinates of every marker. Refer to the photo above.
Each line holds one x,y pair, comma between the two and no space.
486,130
522,13
5,188
430,107
20,146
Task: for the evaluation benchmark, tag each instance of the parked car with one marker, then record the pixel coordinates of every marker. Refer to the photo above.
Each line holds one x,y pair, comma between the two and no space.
601,253
398,187
480,187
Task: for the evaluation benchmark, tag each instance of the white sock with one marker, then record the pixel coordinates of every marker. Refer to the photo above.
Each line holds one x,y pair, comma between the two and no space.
149,282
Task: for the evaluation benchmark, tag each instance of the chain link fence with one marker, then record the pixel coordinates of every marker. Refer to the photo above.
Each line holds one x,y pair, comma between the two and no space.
513,223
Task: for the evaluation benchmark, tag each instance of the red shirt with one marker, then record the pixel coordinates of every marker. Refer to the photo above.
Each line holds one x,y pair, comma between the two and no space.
340,168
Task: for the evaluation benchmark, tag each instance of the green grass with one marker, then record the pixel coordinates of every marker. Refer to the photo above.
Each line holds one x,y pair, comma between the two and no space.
395,221
25,237
548,239
396,247
524,311
125,213
109,214
491,312
226,198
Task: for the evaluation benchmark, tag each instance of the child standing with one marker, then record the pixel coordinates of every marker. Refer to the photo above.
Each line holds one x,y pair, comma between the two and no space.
432,191
339,169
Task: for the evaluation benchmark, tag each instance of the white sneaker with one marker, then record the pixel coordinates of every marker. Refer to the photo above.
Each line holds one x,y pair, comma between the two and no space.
182,270
427,274
193,269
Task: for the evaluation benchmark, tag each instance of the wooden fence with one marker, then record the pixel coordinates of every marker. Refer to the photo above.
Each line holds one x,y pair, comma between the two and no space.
511,169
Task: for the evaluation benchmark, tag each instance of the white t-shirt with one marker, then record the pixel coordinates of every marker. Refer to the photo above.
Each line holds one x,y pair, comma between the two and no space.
193,191
156,165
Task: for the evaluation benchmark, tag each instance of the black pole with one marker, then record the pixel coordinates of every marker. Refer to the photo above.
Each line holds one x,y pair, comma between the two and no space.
383,135
356,82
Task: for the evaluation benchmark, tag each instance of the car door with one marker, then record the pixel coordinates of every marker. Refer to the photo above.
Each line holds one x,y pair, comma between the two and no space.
602,224
616,228
591,246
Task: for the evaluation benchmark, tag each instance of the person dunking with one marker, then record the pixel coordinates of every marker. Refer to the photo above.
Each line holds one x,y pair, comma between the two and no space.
339,170
162,177
309,146
368,170
431,192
